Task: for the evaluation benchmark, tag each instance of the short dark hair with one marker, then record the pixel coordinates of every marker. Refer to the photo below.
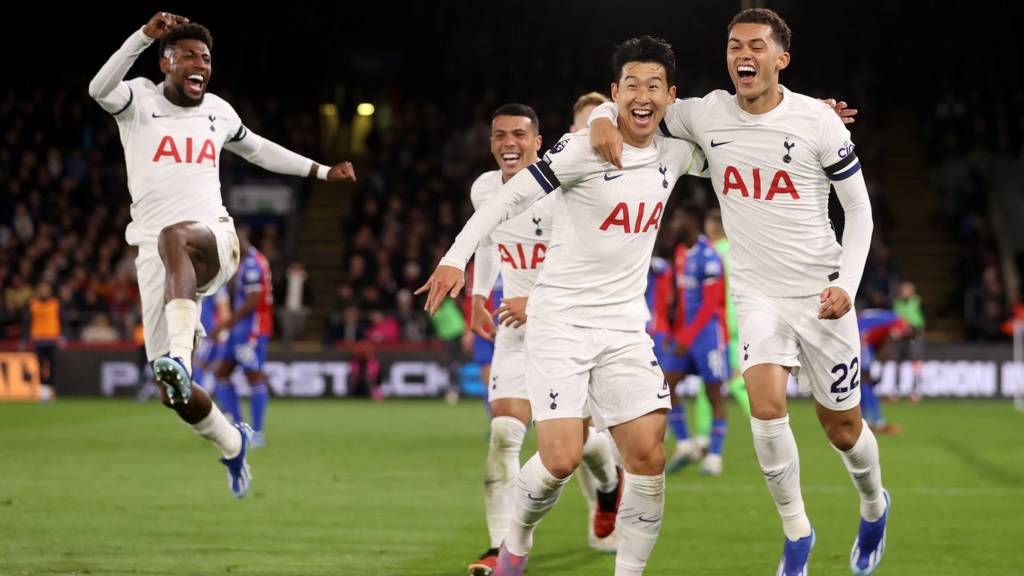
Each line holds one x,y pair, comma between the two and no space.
644,49
517,109
780,30
186,31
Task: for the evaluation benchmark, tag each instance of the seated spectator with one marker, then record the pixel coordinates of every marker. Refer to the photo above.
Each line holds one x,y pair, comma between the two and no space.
100,330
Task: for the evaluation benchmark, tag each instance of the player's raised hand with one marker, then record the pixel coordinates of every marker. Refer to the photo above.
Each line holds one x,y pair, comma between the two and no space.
481,322
606,140
835,302
160,23
842,109
512,312
340,172
445,281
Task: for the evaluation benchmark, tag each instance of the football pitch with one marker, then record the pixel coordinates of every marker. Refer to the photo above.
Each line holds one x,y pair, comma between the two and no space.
350,487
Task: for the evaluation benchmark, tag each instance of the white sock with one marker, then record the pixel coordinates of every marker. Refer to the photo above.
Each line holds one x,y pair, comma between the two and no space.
862,462
181,314
588,485
507,434
780,464
536,492
216,428
638,522
598,460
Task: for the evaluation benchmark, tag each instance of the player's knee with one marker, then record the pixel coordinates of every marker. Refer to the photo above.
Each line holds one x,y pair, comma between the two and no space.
507,433
842,434
768,410
563,467
649,461
172,237
562,463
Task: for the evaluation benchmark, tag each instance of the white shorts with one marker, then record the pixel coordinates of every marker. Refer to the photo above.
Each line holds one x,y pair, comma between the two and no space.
823,355
150,274
508,366
614,371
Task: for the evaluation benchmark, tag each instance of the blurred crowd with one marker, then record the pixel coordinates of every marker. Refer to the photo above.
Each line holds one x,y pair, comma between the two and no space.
64,204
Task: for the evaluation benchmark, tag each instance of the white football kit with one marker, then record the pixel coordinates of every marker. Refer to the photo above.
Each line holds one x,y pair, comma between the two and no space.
585,338
172,155
516,250
772,174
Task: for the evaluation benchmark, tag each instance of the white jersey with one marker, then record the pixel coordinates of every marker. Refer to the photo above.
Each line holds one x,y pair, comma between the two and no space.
605,229
173,153
605,225
771,173
172,156
521,242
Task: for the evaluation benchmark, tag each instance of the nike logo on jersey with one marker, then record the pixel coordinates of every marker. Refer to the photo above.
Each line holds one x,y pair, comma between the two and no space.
608,178
840,399
717,144
663,396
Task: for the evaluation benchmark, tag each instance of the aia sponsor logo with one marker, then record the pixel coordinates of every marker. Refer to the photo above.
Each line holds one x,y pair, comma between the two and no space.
168,148
634,220
516,255
752,187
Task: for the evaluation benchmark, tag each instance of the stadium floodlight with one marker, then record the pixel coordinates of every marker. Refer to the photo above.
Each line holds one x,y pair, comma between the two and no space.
365,109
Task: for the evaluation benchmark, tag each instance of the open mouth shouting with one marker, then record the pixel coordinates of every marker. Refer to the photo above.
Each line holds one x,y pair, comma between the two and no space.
746,73
510,159
642,117
194,85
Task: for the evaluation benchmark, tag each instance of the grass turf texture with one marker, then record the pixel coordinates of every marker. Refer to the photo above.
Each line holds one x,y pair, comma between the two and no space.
352,488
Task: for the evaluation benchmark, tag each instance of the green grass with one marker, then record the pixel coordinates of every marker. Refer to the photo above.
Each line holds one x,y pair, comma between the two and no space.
354,488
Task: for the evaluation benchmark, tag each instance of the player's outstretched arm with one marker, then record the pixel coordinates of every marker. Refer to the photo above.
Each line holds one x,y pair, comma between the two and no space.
516,195
278,159
445,281
107,87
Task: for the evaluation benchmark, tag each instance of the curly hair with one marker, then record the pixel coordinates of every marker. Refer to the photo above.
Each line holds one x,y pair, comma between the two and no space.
187,31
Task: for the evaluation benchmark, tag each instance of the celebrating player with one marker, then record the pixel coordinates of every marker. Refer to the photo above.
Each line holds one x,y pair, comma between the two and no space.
585,340
172,135
517,250
773,155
